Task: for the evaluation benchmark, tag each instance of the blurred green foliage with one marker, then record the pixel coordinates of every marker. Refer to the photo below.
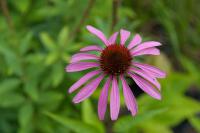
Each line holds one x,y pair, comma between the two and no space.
39,36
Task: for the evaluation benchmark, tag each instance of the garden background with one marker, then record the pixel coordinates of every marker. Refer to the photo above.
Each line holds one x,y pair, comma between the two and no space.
38,37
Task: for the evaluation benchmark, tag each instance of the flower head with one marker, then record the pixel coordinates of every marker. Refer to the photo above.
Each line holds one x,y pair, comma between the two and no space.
114,63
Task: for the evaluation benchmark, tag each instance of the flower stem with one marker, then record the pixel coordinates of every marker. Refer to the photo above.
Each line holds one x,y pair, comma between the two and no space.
6,13
83,18
115,18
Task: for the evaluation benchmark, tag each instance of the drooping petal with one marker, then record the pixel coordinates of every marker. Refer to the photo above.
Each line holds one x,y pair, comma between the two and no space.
79,66
144,75
112,39
103,98
98,33
83,56
129,97
87,90
151,70
145,45
91,48
114,100
145,86
135,41
148,51
83,80
124,35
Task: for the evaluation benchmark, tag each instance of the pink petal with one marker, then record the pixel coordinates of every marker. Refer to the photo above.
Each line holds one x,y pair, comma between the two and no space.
91,48
87,90
83,56
146,76
83,79
151,70
135,41
129,97
98,33
124,35
112,39
102,104
79,66
148,51
114,100
145,86
145,45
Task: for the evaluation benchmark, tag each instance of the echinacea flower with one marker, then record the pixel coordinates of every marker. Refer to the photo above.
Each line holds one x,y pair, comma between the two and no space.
115,62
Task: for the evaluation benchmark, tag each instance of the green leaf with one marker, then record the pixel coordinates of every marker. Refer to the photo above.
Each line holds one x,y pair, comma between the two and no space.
57,74
153,127
127,12
73,47
191,68
12,60
25,117
75,125
63,36
35,58
195,121
90,117
47,125
51,58
25,114
66,57
26,43
180,111
47,41
31,89
11,100
8,85
50,100
22,5
127,122
178,81
180,108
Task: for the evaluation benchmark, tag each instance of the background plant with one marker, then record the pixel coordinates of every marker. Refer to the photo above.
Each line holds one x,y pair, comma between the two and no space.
39,36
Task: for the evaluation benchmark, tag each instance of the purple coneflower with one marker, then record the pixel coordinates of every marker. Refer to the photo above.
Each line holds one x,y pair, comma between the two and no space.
115,61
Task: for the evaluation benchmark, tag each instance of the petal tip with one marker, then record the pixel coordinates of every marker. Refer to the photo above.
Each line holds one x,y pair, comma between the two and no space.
164,74
125,31
75,101
159,97
70,91
158,43
113,118
88,26
138,36
134,114
67,69
101,118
